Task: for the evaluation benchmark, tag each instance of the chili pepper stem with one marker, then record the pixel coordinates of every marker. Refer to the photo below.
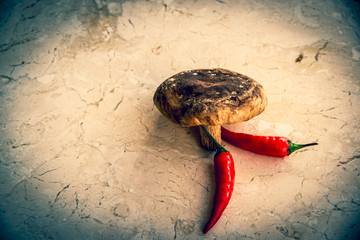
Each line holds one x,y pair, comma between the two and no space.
293,146
219,148
205,141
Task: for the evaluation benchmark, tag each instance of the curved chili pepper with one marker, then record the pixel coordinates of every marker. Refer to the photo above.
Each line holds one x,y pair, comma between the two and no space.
224,179
266,145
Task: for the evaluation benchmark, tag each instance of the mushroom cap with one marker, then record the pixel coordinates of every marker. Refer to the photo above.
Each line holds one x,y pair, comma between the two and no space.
209,97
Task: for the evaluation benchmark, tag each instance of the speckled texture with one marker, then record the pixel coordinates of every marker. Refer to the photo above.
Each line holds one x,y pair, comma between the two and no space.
209,97
85,154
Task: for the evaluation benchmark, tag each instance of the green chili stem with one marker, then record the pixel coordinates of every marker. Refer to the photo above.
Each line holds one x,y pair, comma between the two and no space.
293,147
219,148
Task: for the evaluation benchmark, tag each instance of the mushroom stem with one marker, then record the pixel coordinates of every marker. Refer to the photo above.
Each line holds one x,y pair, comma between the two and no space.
206,142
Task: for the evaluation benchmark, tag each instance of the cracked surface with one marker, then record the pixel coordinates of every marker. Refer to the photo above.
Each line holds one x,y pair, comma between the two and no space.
84,154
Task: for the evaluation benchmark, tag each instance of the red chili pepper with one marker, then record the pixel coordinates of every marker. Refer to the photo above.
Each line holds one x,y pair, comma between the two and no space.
266,145
224,179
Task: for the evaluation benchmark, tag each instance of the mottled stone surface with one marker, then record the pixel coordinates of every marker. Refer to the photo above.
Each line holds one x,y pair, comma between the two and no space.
84,153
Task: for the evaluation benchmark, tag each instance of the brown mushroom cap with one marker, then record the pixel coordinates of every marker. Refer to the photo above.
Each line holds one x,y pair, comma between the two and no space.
209,97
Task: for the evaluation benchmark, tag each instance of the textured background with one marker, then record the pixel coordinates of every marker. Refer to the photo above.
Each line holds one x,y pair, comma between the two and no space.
84,154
